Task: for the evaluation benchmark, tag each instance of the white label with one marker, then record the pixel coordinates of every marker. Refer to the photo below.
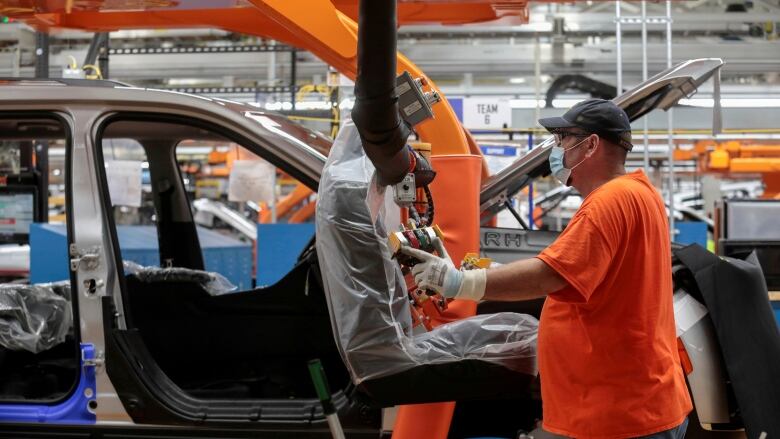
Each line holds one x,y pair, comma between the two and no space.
486,113
403,88
124,182
252,180
687,312
412,108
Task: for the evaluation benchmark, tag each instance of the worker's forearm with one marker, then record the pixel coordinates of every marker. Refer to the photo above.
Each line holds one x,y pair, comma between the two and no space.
522,280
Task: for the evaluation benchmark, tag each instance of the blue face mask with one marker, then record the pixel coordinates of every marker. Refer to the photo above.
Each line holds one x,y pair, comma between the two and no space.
559,171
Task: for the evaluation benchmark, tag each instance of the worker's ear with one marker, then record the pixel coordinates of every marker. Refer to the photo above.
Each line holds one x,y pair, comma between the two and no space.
592,144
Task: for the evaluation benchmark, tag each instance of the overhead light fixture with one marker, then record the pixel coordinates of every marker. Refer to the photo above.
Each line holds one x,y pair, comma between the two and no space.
526,103
302,105
189,82
733,102
564,103
517,80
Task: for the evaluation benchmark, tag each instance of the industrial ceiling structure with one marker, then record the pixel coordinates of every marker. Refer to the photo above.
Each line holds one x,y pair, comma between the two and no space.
496,58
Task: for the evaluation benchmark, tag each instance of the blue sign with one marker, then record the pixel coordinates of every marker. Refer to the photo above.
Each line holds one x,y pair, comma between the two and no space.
498,150
457,107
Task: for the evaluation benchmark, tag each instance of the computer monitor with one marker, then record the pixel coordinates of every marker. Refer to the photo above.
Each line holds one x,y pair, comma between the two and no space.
17,211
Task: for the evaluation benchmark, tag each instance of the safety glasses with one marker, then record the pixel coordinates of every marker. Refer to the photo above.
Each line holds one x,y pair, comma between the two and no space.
559,136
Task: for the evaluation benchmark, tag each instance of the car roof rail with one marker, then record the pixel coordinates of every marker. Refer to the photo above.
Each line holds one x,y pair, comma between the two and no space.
73,82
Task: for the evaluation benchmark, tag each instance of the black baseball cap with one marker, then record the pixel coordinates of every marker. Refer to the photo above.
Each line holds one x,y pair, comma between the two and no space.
597,116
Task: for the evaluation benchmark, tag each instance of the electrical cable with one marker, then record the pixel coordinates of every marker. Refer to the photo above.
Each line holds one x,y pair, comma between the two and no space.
429,213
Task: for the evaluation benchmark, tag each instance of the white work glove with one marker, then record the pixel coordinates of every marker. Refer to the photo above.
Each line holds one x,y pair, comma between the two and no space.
438,273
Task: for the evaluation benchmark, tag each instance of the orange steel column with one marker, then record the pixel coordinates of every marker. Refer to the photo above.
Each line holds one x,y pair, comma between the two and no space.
456,192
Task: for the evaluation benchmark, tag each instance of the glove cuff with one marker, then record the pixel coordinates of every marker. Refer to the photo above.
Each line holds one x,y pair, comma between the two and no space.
473,285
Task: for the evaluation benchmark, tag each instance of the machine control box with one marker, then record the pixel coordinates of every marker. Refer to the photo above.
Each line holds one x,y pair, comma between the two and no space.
405,192
414,103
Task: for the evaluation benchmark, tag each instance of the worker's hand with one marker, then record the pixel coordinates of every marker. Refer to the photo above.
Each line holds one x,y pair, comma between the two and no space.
438,273
435,273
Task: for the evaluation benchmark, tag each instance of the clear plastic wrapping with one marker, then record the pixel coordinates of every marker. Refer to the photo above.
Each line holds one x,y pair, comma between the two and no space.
366,291
35,318
214,283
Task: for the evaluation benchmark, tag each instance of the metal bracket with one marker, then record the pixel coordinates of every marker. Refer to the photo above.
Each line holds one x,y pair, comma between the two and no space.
501,198
88,258
200,49
90,357
414,103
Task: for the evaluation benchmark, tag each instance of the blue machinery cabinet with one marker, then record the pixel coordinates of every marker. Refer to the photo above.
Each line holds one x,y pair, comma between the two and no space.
690,232
278,248
222,254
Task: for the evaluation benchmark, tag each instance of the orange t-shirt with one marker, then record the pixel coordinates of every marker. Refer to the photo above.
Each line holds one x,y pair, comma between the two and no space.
608,357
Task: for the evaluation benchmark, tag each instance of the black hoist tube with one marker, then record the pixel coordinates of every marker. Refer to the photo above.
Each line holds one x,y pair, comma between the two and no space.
381,129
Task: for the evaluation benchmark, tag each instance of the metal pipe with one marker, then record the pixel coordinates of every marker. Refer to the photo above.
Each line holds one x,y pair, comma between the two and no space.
42,165
514,213
375,113
619,48
646,157
272,66
17,63
537,78
669,119
293,76
103,56
531,186
41,55
94,47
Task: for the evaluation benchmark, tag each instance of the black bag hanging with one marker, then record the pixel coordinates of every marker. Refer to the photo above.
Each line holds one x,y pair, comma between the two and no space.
735,293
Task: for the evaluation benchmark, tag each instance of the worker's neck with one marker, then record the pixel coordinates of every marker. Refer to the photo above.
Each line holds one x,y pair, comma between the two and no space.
596,181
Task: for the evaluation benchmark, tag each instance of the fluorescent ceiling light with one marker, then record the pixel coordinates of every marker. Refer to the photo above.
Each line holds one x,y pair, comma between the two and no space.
526,103
303,105
517,80
188,82
733,102
564,103
276,106
313,105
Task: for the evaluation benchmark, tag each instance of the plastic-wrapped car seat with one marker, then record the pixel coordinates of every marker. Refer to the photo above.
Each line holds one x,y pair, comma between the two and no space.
35,318
213,283
482,356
